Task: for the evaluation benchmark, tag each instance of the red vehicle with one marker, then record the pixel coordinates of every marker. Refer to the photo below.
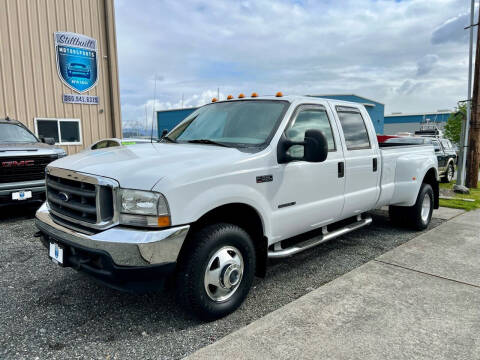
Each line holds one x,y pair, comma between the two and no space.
383,138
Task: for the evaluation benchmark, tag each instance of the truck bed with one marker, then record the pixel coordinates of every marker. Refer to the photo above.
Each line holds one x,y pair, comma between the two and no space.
397,179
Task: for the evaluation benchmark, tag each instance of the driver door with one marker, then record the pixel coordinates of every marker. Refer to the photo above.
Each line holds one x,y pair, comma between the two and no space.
309,195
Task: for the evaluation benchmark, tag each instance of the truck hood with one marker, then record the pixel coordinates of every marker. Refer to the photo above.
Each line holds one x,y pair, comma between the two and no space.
141,166
36,148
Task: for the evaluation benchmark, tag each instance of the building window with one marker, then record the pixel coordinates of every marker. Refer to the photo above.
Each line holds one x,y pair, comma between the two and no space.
64,131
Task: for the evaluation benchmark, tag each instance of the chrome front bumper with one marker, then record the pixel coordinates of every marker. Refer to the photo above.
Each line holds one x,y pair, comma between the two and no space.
126,246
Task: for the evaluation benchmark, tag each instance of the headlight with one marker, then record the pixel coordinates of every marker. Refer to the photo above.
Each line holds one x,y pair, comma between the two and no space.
61,154
143,208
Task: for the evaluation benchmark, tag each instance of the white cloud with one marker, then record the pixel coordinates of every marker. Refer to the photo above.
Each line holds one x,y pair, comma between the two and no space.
426,64
452,30
410,55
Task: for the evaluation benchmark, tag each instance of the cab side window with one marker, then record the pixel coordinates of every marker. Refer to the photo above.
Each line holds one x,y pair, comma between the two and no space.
309,118
436,145
354,128
446,144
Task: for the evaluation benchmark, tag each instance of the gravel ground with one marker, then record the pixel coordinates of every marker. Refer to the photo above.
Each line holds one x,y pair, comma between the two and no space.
51,313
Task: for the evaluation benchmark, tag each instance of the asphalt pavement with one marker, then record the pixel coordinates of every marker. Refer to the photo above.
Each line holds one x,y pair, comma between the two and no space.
48,312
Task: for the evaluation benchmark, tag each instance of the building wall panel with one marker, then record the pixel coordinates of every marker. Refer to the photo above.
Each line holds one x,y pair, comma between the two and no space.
29,84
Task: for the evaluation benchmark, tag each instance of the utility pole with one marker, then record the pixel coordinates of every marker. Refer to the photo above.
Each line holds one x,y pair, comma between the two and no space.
473,149
465,127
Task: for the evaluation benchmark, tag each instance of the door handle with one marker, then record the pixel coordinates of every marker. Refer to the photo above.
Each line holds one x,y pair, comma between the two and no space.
375,164
341,169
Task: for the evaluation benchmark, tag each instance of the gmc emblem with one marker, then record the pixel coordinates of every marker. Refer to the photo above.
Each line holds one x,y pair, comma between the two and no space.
15,163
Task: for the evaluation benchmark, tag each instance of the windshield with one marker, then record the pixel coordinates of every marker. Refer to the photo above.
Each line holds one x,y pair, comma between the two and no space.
12,133
235,123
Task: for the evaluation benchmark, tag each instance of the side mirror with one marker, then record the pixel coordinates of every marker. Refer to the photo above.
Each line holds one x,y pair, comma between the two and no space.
48,140
315,147
164,132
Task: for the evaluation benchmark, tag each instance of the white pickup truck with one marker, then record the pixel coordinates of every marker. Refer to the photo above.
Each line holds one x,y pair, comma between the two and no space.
229,187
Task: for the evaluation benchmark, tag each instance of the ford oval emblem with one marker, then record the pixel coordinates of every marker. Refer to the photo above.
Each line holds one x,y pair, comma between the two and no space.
64,196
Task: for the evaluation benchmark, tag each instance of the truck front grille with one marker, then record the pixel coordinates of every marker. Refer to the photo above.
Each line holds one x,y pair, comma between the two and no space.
23,168
80,202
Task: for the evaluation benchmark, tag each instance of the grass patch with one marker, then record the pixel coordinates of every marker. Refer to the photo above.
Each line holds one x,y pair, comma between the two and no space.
459,204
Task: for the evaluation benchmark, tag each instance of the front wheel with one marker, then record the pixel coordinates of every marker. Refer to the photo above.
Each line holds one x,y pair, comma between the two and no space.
449,173
216,271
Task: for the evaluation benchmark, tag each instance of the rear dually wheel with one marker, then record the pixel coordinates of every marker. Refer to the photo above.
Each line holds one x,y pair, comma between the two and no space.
417,216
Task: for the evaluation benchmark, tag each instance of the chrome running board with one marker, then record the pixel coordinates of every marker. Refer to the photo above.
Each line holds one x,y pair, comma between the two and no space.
317,240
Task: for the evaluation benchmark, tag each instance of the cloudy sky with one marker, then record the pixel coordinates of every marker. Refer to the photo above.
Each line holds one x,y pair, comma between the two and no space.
411,55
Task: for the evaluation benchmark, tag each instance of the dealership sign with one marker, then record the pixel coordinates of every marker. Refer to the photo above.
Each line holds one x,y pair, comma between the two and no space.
76,60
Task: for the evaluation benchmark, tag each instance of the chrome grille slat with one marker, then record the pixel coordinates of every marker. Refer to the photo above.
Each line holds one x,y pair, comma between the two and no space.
81,199
73,205
70,189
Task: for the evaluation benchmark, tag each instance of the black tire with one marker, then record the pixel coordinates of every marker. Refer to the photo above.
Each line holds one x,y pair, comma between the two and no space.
397,214
411,216
415,219
449,173
192,266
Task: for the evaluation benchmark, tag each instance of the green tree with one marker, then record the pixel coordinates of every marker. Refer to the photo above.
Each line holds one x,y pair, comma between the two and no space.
453,127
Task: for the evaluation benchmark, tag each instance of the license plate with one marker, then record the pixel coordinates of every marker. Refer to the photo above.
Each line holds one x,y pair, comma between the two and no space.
21,195
56,253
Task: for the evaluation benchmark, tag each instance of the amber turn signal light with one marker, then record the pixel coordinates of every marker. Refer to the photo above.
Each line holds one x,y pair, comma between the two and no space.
163,221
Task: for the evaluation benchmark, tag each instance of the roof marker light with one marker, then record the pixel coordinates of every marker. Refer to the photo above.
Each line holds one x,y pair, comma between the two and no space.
241,96
279,94
229,97
254,94
214,100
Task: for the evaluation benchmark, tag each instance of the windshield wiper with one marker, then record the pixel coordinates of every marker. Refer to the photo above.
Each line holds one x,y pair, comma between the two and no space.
206,141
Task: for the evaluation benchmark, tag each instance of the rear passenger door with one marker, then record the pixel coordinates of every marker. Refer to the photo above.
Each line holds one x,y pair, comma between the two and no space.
448,150
362,163
442,159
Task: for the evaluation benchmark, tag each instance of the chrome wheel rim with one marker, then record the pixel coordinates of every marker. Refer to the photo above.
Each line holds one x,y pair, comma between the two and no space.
224,273
426,205
450,173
